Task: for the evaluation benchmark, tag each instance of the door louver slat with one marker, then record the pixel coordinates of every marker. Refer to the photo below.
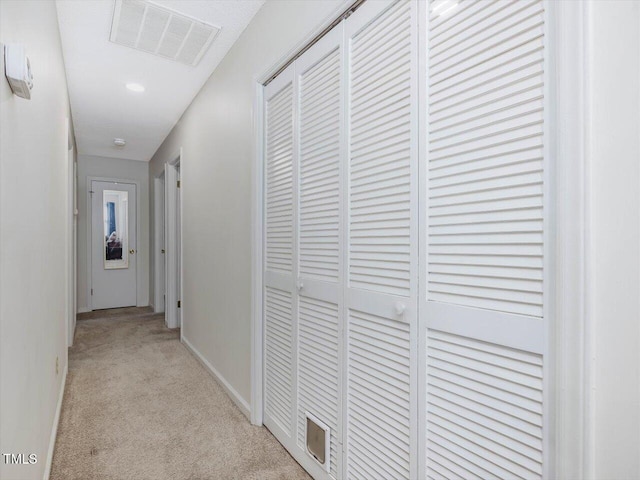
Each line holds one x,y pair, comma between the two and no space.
379,371
279,195
319,169
476,410
493,164
379,205
318,369
278,356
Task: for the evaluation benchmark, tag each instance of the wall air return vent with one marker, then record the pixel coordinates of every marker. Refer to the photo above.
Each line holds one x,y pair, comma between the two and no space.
157,30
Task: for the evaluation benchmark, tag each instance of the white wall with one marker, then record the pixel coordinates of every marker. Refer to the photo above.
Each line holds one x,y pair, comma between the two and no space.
34,185
614,136
216,179
92,166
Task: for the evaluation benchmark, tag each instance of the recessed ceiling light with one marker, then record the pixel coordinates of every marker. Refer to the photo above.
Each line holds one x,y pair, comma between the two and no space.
135,87
119,142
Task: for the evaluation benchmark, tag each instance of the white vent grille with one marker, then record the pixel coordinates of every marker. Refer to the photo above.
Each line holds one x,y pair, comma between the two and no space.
279,153
486,156
378,399
484,410
320,170
278,357
380,160
318,369
154,29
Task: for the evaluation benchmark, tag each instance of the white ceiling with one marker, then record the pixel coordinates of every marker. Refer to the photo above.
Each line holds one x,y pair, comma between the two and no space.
97,71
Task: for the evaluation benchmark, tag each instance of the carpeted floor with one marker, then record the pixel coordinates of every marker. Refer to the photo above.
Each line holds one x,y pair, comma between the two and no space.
138,406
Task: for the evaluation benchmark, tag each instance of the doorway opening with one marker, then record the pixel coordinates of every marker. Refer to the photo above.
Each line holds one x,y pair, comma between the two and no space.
173,243
160,245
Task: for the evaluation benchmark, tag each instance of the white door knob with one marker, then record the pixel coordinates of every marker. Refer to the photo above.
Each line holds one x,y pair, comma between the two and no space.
300,285
399,308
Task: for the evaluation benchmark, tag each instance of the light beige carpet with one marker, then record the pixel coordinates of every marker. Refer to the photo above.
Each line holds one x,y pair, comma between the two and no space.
138,406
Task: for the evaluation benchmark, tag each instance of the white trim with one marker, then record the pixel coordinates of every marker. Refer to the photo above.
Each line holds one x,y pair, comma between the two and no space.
71,271
240,402
549,315
91,179
588,414
257,223
572,424
158,256
173,315
84,310
423,134
56,422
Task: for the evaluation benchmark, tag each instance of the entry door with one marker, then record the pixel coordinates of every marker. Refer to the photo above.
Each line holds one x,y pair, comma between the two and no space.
113,240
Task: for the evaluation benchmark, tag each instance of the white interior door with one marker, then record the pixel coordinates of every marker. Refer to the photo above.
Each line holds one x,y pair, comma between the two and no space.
487,240
319,129
113,241
160,278
280,259
382,288
179,247
172,247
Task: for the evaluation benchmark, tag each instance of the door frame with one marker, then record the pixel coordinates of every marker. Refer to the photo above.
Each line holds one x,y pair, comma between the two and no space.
158,280
90,180
71,230
171,273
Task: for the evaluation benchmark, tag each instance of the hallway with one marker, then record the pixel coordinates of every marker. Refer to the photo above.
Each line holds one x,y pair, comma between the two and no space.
138,405
328,239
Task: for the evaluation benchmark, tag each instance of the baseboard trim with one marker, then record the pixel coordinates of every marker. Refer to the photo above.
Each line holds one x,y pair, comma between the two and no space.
83,310
56,421
235,396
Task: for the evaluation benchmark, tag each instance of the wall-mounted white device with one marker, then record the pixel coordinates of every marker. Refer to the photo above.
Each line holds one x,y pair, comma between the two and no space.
17,69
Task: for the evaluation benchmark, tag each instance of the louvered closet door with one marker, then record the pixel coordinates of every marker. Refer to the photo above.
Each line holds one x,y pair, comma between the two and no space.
488,221
381,291
280,256
320,206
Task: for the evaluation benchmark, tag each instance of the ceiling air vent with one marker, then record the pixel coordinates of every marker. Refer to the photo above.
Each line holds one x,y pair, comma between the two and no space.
157,30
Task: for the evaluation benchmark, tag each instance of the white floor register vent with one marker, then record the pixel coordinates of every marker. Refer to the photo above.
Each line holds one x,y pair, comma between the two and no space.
318,441
160,31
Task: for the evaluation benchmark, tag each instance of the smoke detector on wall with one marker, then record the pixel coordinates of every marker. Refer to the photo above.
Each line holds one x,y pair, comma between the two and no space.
145,26
119,142
17,69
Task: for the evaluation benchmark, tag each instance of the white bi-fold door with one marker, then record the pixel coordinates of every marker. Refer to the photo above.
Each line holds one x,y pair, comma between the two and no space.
406,167
486,239
382,242
304,249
